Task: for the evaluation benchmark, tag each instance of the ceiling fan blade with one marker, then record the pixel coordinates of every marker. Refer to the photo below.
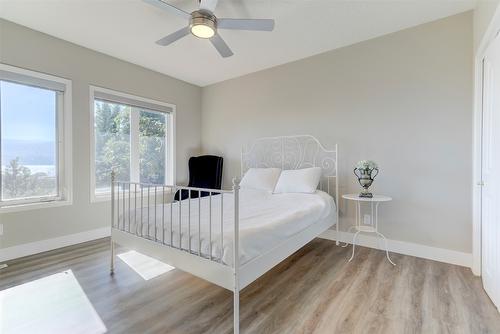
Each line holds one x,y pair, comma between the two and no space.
208,5
165,6
221,46
246,24
169,39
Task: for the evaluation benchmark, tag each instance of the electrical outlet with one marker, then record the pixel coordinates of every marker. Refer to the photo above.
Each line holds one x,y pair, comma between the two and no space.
367,220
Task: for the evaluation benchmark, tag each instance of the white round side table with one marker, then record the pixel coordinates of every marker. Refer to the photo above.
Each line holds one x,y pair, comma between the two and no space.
373,227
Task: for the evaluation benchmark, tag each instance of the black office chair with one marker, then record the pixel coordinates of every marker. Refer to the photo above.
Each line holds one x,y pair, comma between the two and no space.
204,172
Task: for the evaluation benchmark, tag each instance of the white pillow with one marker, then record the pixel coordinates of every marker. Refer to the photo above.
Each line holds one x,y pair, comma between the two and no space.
298,180
261,178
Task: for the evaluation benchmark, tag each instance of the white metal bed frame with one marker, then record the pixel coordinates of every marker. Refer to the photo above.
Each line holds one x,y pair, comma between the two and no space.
289,152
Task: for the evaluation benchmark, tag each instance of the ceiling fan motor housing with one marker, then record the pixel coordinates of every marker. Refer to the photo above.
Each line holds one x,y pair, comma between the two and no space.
205,19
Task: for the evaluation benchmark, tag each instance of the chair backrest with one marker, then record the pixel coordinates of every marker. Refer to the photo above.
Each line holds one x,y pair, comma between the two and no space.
205,171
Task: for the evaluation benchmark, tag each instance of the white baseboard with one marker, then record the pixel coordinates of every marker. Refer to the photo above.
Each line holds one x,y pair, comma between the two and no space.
406,248
401,247
36,247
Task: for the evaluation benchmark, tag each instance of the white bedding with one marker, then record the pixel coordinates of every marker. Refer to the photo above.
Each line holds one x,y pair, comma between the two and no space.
266,219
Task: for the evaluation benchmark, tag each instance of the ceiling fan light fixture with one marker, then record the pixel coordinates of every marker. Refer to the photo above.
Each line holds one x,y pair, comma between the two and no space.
202,31
202,24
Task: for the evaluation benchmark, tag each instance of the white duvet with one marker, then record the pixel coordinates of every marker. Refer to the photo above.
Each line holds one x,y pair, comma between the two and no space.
265,220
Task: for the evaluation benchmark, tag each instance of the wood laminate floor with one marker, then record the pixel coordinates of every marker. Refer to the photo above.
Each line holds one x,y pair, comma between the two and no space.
314,291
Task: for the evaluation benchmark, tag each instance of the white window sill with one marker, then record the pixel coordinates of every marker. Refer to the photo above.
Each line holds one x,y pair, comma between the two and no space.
34,206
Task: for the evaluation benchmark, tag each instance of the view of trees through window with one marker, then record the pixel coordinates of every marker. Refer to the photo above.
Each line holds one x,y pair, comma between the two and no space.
114,126
152,147
112,143
28,141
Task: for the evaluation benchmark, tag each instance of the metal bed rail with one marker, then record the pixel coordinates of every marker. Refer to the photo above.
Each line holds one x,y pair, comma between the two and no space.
147,211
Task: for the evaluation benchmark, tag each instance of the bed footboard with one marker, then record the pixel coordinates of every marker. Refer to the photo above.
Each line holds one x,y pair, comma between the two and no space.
173,231
194,225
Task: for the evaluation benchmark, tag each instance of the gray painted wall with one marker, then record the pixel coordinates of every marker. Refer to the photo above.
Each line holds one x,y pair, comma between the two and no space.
23,47
403,100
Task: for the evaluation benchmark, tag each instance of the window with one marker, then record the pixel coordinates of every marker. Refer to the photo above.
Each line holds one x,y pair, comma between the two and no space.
132,136
34,112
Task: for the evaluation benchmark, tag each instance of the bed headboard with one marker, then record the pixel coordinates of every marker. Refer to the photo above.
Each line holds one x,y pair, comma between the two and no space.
293,152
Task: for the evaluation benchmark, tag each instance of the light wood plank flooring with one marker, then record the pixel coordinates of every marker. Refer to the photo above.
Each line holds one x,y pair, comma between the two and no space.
314,291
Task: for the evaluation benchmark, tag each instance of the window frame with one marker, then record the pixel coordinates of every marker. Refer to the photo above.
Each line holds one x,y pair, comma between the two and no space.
125,98
63,138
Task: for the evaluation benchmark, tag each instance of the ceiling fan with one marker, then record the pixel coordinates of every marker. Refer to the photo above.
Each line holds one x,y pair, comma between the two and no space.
204,24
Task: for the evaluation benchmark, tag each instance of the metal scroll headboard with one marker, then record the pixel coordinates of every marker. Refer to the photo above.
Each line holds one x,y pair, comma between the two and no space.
293,152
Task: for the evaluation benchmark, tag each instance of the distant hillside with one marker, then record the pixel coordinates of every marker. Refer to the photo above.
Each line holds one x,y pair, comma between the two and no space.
29,152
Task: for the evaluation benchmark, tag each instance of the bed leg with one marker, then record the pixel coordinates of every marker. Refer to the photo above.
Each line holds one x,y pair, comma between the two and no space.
337,235
112,263
236,257
236,311
112,244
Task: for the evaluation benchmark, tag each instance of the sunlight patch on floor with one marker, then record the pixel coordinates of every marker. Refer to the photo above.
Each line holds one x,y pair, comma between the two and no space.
53,304
145,266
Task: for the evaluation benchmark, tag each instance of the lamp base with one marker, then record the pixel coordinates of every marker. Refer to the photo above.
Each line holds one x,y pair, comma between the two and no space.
366,195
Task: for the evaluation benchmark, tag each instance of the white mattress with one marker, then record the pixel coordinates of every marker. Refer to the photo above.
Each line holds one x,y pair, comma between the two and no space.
265,220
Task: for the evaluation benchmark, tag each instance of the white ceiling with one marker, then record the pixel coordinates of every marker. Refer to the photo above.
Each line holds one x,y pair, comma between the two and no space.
128,29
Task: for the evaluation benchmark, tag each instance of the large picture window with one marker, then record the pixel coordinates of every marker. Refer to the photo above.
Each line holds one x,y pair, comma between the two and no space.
32,113
132,136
